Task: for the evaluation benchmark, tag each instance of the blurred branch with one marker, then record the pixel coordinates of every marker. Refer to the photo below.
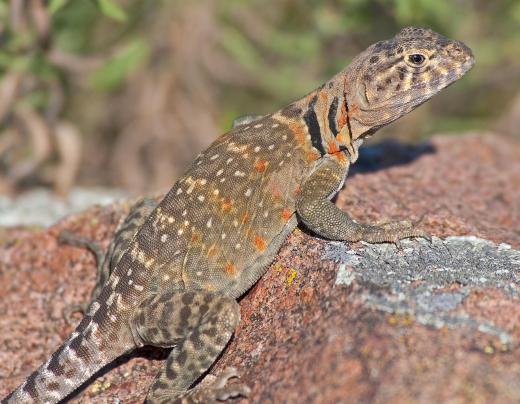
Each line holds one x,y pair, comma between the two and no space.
36,144
39,134
41,20
9,87
73,63
68,141
17,17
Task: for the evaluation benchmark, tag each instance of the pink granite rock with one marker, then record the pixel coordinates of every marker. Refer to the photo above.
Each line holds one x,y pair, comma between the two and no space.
329,322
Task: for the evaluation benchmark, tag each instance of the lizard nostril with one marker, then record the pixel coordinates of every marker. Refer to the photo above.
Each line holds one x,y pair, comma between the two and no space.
459,51
455,51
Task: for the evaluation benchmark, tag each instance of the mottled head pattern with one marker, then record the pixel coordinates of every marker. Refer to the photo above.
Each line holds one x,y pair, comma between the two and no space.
393,77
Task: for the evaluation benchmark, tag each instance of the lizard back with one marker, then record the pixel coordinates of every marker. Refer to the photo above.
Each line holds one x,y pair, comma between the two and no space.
226,211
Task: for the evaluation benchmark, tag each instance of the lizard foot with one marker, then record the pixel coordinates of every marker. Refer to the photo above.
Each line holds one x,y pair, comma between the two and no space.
70,310
393,232
71,239
214,389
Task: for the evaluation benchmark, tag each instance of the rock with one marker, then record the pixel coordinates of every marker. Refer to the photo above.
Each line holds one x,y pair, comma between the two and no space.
330,322
43,207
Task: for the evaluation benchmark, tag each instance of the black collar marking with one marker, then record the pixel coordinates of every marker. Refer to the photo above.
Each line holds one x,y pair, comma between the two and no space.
314,127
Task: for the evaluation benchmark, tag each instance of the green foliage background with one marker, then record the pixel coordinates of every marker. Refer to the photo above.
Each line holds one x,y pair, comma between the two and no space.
265,54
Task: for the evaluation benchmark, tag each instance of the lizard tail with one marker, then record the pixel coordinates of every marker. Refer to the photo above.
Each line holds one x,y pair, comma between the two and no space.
78,358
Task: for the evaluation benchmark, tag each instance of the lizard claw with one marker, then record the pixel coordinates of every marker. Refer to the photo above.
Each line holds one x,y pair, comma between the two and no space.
72,309
218,390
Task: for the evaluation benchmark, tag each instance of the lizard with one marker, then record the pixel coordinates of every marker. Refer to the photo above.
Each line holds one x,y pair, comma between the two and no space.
175,278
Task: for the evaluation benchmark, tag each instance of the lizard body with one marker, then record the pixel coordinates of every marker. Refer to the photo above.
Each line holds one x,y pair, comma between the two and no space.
175,279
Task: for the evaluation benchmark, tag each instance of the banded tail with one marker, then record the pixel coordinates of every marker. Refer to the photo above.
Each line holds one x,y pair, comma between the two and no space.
78,358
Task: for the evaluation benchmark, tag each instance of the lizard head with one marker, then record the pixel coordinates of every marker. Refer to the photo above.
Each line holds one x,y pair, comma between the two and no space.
392,77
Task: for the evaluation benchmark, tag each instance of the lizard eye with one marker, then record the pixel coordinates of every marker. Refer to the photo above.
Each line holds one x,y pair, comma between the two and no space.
416,59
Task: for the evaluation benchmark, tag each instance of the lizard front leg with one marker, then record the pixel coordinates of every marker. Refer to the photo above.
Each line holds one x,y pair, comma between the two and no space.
320,215
198,325
106,262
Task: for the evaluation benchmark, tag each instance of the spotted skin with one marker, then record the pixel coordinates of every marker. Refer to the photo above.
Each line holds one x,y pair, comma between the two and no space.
217,230
106,262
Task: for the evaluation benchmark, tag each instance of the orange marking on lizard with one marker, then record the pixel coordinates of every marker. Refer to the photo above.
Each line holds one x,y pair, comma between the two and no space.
324,95
332,147
298,132
340,156
230,268
245,218
195,237
297,189
312,155
261,165
227,204
286,214
260,243
343,117
310,96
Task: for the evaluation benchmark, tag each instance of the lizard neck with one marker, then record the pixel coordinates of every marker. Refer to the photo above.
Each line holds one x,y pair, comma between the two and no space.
327,114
